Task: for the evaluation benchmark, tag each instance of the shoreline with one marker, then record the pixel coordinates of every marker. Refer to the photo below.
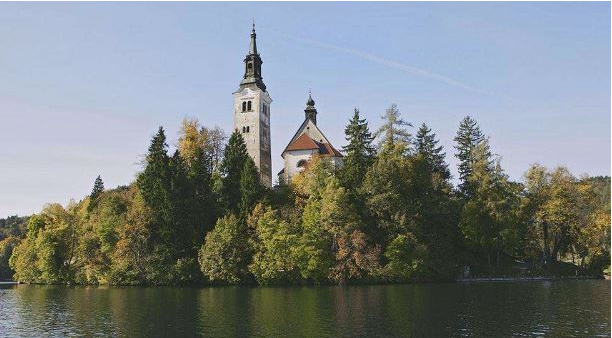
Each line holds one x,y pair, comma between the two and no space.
459,280
525,279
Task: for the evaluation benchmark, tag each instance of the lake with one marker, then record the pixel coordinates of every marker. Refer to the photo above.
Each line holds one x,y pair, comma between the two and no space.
483,309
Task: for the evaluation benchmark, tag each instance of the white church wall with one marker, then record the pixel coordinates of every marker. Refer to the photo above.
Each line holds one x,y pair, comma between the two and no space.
292,158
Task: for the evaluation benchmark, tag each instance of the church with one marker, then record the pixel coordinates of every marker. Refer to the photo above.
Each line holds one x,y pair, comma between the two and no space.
252,118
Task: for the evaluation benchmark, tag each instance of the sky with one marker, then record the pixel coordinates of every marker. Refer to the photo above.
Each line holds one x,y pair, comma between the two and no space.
84,86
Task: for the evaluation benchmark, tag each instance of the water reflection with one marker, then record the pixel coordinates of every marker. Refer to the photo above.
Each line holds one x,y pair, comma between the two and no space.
528,309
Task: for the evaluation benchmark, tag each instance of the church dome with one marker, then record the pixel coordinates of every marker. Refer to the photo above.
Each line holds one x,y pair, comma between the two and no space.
310,101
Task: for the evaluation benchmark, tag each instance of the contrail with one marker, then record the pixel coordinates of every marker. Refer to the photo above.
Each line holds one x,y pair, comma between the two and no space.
386,62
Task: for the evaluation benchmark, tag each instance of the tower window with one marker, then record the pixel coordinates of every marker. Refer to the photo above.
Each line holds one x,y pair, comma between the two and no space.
249,65
249,105
244,106
244,129
247,129
301,163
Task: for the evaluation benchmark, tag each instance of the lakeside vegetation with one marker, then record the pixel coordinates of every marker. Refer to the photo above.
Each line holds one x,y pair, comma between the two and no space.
391,214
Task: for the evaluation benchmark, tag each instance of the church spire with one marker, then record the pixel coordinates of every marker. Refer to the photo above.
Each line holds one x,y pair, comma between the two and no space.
253,45
252,66
311,111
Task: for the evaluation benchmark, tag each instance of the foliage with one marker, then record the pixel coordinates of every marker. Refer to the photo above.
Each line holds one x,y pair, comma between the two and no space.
274,243
250,187
224,256
390,214
359,152
234,157
13,226
427,145
6,250
469,136
393,131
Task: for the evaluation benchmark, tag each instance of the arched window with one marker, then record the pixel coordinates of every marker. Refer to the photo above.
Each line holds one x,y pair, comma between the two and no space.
244,106
244,129
249,105
248,129
301,163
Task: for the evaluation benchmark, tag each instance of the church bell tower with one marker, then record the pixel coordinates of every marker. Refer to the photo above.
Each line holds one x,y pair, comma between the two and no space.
252,113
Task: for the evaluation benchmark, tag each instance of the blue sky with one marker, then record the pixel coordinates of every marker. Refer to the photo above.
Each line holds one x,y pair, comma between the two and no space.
84,86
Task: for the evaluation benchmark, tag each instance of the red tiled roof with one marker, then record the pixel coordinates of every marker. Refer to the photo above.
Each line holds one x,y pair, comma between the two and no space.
332,150
304,142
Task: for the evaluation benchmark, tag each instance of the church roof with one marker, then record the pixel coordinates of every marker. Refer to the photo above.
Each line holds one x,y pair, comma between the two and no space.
305,142
303,137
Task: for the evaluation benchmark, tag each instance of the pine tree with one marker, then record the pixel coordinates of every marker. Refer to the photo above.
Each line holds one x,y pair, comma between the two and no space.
359,151
205,208
234,157
154,184
393,131
98,188
427,145
469,136
489,215
250,187
181,224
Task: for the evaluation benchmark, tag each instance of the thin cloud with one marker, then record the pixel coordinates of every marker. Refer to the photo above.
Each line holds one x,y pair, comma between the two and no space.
386,62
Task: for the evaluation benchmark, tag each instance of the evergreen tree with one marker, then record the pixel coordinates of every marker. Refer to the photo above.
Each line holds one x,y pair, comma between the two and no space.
427,145
98,188
182,226
205,208
489,214
469,136
359,151
250,187
234,157
393,131
154,184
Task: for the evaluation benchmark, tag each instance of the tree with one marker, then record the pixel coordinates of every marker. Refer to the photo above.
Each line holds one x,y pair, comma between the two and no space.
491,210
182,225
356,258
204,202
190,140
427,145
225,254
98,188
555,204
469,136
48,253
384,190
359,151
592,244
6,250
199,149
393,131
154,184
405,254
193,137
132,257
331,246
235,155
250,187
274,245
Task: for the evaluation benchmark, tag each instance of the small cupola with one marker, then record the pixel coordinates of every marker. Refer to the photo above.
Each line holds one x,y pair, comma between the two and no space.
311,111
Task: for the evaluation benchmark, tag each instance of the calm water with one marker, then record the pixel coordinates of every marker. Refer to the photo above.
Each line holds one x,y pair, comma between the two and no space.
521,309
